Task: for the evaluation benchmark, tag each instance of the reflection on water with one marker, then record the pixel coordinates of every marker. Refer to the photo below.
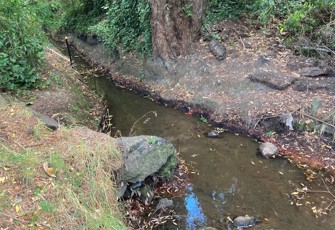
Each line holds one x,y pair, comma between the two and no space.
230,180
195,217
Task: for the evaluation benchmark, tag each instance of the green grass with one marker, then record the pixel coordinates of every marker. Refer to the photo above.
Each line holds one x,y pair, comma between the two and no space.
81,196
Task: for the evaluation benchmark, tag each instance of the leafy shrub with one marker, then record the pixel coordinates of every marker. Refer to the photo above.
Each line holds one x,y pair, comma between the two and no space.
127,23
79,15
21,45
296,16
219,9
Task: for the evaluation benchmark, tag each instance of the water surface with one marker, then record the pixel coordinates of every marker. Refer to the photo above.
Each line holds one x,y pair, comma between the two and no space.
229,179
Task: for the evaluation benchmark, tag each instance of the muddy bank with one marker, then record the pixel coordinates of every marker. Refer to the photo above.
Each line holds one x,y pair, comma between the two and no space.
226,92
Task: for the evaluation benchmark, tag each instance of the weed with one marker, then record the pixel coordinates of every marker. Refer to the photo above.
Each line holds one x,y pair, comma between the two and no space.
45,206
187,8
132,132
82,194
203,119
153,140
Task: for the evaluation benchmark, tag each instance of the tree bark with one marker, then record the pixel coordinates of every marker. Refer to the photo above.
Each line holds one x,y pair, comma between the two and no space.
175,25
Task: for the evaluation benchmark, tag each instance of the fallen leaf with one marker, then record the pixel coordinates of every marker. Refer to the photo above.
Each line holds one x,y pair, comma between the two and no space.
2,180
17,208
6,168
48,170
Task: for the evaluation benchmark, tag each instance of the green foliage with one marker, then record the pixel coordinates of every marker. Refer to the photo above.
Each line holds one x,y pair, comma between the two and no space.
79,15
315,106
21,45
45,206
296,16
219,9
127,23
47,13
187,8
203,119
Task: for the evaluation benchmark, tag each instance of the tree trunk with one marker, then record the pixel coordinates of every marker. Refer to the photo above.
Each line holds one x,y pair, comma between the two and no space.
175,25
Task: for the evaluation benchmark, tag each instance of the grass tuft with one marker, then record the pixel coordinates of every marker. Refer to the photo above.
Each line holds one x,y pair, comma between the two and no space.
80,193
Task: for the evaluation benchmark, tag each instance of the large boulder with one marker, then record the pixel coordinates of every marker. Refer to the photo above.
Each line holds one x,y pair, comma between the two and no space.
144,156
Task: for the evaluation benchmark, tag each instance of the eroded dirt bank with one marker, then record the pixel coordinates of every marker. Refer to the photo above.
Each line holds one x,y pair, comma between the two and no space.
257,81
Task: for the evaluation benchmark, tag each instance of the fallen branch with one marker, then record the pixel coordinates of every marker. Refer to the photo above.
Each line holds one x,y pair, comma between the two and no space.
317,119
133,126
322,191
326,49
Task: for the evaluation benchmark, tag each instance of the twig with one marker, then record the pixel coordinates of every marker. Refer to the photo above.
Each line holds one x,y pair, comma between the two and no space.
328,207
24,221
327,188
325,49
16,154
310,116
133,126
322,191
58,54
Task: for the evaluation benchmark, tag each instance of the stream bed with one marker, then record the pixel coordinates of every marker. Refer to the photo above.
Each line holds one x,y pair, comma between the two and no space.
228,178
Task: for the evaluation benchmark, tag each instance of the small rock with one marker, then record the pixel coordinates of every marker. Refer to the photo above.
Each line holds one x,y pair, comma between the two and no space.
287,120
312,72
48,121
330,71
268,149
217,49
212,133
241,222
164,204
216,133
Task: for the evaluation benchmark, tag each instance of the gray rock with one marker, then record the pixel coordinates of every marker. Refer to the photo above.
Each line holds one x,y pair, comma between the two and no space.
216,133
212,133
49,122
144,156
164,204
330,71
287,120
121,189
241,222
301,62
309,84
268,149
217,49
272,79
208,228
312,72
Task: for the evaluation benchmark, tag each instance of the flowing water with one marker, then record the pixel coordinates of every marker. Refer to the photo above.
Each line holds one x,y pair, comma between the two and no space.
229,179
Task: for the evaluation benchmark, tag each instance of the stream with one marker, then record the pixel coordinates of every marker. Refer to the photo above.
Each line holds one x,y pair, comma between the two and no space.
229,179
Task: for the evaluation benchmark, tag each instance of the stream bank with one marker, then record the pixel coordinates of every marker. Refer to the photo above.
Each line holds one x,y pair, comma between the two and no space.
226,94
